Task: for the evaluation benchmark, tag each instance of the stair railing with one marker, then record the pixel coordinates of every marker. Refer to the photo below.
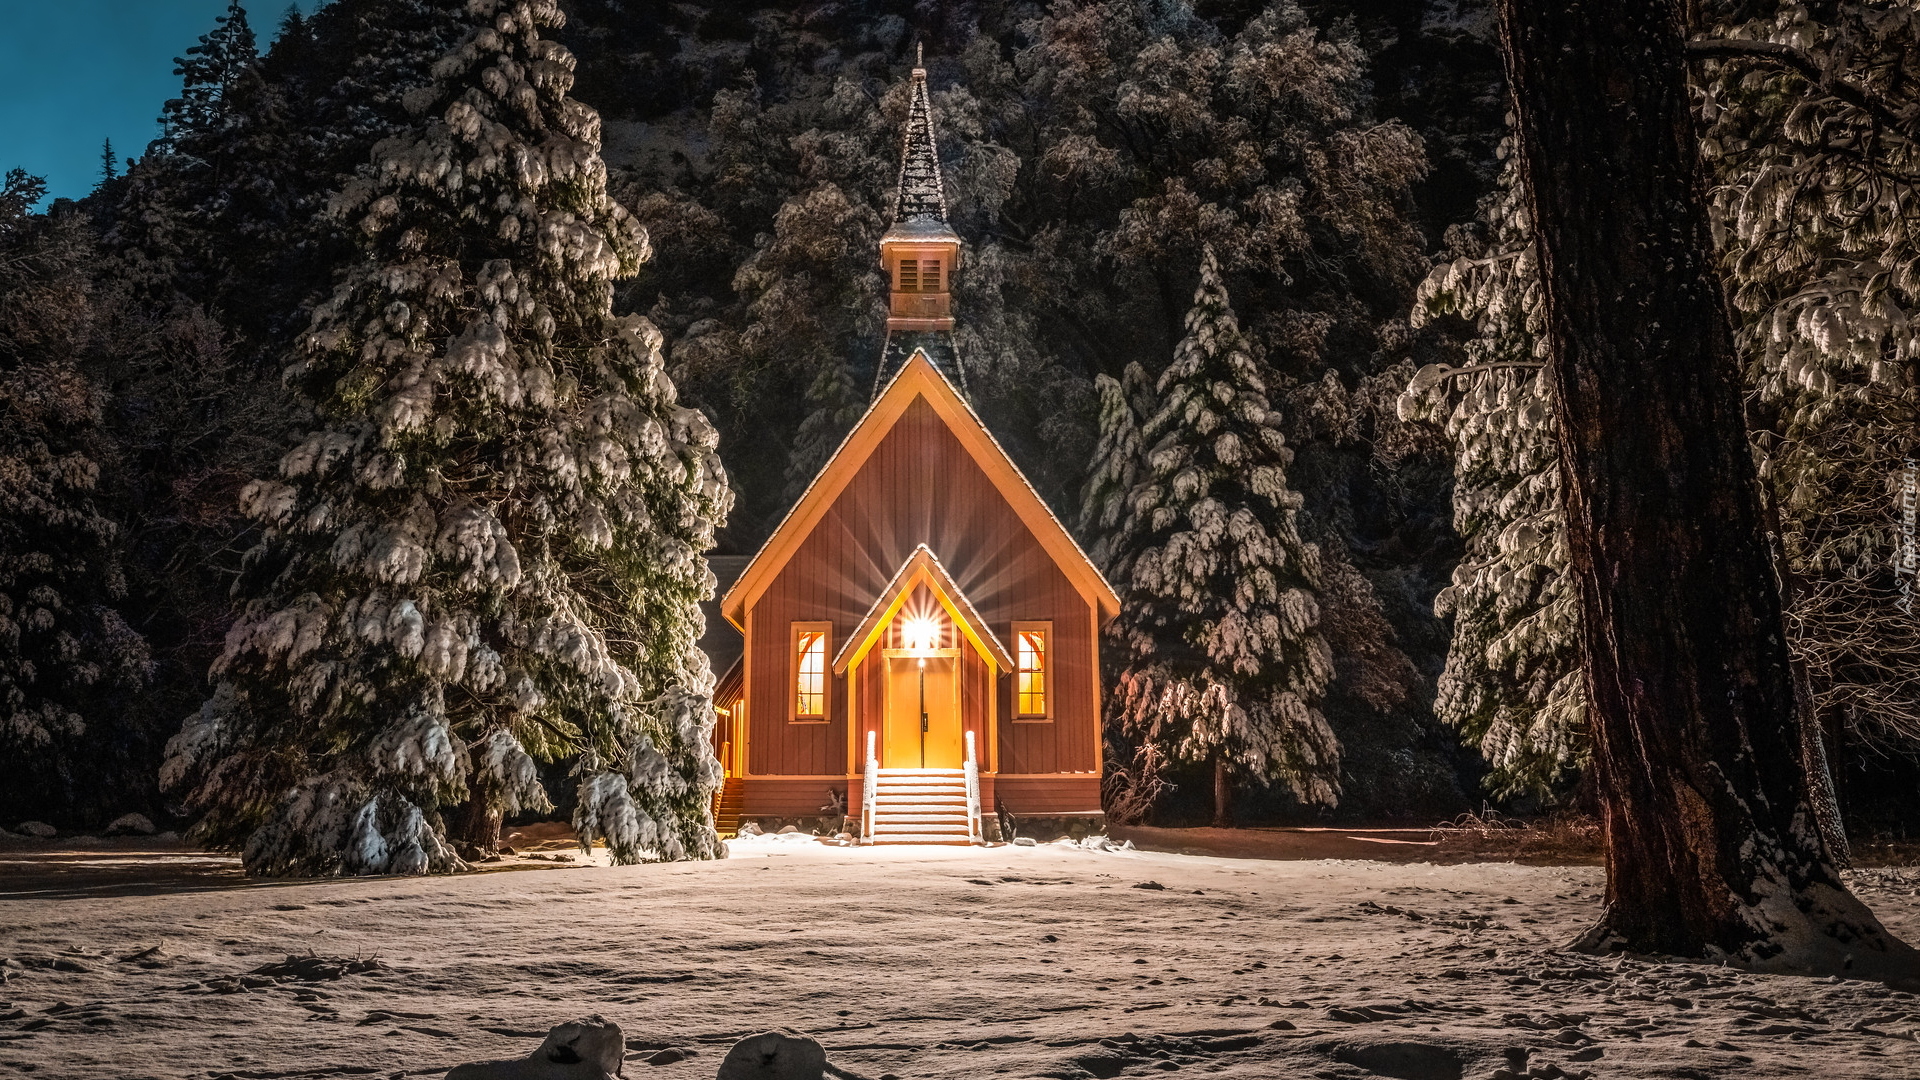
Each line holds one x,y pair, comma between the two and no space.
867,793
973,793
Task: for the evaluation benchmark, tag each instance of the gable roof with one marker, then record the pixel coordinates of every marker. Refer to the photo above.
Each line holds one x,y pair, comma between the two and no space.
918,380
922,568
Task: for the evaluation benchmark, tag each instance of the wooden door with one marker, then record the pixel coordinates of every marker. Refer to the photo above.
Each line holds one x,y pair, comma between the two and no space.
901,736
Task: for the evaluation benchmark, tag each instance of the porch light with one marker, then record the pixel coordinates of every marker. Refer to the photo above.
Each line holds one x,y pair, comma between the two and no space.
920,633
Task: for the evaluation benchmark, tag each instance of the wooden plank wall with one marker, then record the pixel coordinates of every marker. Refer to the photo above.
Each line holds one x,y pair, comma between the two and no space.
920,486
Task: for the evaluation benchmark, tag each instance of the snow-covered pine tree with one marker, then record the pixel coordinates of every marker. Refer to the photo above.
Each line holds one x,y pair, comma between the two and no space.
1218,613
1821,216
1119,461
379,51
66,655
1512,684
490,550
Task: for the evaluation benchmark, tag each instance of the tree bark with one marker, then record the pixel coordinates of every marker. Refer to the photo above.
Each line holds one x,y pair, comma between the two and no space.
1222,795
1712,849
478,822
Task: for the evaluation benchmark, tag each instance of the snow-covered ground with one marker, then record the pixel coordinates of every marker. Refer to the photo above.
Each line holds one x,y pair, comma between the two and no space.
913,962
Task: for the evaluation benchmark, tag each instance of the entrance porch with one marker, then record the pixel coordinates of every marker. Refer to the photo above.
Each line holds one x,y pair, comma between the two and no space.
922,668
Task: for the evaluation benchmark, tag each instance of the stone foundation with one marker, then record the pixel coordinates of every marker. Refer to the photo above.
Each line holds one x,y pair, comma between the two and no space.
1039,827
811,824
1045,827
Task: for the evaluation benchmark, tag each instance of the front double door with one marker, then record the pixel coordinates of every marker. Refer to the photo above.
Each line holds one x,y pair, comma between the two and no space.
923,727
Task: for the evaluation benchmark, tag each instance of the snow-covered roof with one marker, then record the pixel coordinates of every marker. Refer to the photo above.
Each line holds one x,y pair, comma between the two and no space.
921,196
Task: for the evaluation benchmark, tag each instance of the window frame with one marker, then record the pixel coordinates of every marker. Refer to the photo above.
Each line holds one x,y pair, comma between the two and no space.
1047,670
794,659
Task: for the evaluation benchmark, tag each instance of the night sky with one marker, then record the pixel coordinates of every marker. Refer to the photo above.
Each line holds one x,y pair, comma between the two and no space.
74,72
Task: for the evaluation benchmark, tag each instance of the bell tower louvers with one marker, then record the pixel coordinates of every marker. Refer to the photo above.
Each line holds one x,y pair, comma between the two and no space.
920,252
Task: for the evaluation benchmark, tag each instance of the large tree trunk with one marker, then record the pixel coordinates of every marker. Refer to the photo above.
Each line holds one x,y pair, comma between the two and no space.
1712,850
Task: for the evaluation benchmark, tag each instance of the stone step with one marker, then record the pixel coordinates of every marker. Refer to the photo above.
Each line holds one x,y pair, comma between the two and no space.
942,816
912,838
923,772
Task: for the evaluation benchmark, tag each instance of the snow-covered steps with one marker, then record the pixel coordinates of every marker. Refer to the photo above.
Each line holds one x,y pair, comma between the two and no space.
920,806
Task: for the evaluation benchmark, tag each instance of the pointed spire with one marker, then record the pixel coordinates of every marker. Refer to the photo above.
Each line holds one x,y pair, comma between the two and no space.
921,196
920,251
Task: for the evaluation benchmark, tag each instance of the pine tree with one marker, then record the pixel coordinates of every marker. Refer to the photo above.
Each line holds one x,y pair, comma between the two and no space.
1818,256
67,657
1119,460
108,168
490,551
208,69
1818,203
1512,681
160,241
1697,716
1218,612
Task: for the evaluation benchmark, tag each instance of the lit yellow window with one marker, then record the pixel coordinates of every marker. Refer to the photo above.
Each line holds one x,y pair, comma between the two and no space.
810,671
1030,678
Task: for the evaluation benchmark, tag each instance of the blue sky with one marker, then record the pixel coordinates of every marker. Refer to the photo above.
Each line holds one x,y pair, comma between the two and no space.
74,72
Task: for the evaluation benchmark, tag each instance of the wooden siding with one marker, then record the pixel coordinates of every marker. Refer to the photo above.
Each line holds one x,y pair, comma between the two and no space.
920,485
1048,794
792,797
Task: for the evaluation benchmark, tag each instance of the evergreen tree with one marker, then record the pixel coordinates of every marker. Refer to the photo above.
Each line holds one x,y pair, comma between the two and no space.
1818,258
1512,681
1813,143
490,551
108,168
67,657
1119,461
1218,612
208,69
160,241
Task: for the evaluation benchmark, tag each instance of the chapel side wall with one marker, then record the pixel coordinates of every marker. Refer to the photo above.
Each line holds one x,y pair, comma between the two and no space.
919,485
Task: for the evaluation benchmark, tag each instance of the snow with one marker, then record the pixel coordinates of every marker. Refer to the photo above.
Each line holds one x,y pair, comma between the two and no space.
921,962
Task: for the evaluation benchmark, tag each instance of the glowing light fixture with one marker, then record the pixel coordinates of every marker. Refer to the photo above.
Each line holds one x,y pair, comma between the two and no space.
920,633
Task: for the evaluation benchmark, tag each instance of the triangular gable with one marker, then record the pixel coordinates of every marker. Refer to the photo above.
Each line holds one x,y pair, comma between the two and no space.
922,568
918,380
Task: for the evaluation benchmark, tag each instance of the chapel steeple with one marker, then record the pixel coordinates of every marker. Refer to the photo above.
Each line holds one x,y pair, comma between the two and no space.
920,251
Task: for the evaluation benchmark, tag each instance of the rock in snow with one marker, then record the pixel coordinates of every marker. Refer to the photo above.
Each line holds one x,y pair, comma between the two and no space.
39,829
774,1055
131,825
590,1048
